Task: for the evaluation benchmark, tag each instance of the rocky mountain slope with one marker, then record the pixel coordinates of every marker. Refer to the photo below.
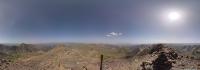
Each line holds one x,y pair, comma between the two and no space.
87,57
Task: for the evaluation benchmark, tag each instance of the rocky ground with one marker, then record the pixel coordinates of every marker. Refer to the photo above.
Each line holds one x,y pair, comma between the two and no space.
165,58
4,64
155,57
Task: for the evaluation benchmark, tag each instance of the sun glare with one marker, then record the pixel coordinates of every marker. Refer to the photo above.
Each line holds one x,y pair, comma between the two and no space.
174,19
174,16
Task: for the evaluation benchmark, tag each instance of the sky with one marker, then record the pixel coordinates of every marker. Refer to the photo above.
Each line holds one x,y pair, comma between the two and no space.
99,21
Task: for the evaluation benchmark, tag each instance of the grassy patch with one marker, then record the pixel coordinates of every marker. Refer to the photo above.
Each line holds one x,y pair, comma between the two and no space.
13,57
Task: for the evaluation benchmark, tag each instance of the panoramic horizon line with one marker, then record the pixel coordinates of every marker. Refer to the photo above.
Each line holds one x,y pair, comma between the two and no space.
100,43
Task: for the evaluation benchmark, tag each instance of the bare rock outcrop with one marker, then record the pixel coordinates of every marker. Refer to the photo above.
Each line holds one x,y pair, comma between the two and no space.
4,64
165,58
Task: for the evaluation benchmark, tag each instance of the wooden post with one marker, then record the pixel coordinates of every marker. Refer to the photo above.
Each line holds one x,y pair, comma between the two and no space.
101,62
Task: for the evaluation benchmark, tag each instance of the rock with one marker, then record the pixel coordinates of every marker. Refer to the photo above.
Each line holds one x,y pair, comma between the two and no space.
4,63
166,57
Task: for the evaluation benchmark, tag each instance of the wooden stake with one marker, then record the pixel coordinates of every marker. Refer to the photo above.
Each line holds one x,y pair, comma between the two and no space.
101,62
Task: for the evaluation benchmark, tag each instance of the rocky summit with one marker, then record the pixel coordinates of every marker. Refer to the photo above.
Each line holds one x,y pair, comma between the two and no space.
87,57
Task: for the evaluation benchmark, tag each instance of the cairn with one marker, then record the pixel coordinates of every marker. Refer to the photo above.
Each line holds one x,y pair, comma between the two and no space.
164,61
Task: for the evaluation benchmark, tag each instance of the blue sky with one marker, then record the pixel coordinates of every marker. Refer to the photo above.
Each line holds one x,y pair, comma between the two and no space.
101,21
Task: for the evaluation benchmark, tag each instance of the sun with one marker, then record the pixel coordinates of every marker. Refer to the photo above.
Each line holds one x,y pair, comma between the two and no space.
174,16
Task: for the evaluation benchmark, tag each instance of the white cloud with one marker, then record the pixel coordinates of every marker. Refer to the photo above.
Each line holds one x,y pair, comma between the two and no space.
108,35
114,34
